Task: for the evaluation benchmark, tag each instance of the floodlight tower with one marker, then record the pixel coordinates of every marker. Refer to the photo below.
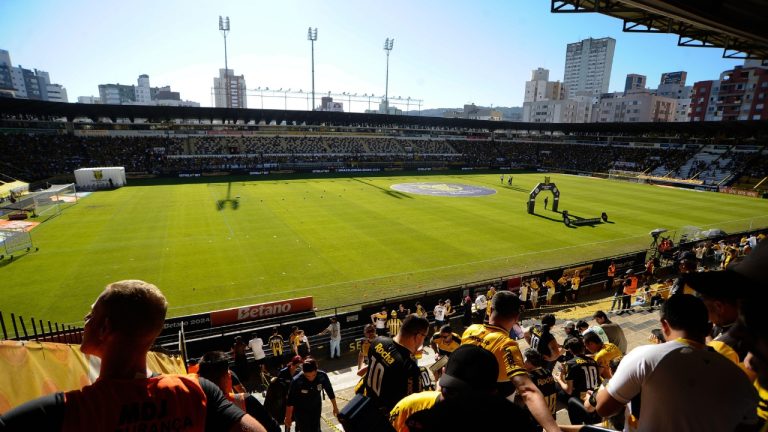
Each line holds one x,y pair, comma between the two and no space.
224,28
312,37
388,48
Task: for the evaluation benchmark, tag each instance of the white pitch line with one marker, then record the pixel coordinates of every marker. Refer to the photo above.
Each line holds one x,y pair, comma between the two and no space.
359,281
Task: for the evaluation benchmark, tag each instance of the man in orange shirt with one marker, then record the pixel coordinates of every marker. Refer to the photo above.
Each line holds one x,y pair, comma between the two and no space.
120,328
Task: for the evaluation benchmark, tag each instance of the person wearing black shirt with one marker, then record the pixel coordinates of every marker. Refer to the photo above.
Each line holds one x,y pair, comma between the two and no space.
579,376
542,340
305,398
392,373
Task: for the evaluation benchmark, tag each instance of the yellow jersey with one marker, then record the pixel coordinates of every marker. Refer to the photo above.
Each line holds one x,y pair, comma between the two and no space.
496,340
410,404
604,356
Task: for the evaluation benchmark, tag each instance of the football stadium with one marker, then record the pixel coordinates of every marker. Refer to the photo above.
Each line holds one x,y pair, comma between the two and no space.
271,259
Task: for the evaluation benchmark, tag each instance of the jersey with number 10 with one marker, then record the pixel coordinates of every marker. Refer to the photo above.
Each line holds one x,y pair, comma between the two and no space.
392,373
583,371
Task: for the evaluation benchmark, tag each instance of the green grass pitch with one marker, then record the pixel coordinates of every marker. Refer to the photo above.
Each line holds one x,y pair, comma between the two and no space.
341,240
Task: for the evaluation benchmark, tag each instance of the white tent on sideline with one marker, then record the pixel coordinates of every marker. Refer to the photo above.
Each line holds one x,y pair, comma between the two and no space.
100,178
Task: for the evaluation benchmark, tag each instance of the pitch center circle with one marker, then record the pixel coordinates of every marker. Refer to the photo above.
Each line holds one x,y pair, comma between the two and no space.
443,189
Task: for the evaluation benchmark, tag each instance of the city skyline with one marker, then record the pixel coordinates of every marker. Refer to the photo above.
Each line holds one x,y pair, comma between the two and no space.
447,54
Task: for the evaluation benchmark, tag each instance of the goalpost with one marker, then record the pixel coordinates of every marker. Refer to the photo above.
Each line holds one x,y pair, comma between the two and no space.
628,176
14,240
50,202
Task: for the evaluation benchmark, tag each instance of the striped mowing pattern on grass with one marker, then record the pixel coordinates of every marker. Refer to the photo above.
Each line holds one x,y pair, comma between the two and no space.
342,240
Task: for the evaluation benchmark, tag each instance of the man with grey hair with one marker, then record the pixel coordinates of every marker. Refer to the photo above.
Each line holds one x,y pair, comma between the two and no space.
120,329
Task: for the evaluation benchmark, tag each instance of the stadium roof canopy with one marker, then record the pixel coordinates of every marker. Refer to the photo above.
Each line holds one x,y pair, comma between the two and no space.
26,109
739,27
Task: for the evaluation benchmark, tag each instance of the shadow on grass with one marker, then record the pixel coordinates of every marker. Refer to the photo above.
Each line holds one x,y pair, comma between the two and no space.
551,218
390,192
10,259
517,189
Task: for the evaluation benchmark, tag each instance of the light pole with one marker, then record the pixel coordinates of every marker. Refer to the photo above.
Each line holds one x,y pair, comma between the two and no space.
224,27
312,37
387,47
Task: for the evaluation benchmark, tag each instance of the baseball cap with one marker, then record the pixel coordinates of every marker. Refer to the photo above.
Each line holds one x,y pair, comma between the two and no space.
470,368
569,324
296,360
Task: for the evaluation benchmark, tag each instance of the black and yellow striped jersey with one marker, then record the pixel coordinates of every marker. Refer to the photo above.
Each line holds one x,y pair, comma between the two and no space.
276,344
393,325
496,340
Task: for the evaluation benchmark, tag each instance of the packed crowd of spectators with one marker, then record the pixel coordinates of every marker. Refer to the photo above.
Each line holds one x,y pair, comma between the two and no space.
41,156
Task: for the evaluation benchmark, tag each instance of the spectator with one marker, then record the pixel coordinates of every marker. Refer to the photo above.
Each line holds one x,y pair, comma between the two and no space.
466,387
494,337
439,313
276,344
466,305
545,382
481,304
575,284
420,311
686,264
379,319
611,330
579,376
277,393
113,334
444,342
294,339
392,373
663,386
393,323
584,328
603,353
214,366
630,288
257,346
540,338
304,398
240,358
402,312
534,293
369,334
334,330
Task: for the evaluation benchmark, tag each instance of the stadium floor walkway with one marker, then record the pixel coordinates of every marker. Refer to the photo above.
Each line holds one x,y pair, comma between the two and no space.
636,324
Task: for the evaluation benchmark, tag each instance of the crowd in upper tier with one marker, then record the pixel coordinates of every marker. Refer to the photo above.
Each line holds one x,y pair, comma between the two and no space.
34,157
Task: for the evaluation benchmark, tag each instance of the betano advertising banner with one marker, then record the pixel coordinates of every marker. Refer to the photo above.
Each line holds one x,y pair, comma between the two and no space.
261,311
241,314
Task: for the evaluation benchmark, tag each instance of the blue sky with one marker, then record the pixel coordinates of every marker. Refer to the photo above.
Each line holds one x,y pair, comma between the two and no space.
447,52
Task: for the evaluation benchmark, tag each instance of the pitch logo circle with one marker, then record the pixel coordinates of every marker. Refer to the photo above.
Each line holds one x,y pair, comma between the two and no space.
443,189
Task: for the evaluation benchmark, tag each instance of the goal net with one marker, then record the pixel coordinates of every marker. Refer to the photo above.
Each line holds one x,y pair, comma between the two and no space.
50,202
14,240
623,175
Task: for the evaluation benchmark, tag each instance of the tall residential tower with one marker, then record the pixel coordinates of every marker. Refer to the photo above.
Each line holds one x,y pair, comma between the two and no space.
588,66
